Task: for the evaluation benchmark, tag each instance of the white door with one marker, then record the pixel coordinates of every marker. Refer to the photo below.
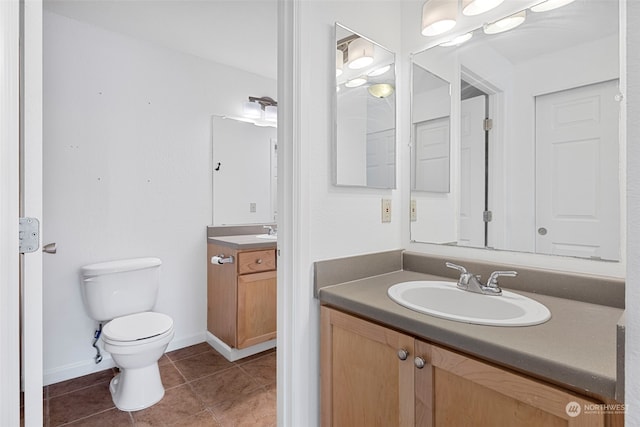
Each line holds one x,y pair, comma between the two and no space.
21,195
577,187
432,158
472,172
381,159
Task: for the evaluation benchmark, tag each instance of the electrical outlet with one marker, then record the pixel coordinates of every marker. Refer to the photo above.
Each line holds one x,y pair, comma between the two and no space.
252,207
386,210
414,210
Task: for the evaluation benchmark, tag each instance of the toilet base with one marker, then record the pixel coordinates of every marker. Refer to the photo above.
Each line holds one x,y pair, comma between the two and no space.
136,389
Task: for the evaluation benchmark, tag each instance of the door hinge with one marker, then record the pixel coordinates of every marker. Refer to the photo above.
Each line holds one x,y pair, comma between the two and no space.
487,216
29,235
488,124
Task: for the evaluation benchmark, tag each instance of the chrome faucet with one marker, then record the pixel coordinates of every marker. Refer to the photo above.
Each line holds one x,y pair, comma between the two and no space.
271,228
470,282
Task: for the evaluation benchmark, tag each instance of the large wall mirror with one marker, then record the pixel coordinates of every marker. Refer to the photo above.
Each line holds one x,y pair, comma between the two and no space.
244,172
515,136
365,112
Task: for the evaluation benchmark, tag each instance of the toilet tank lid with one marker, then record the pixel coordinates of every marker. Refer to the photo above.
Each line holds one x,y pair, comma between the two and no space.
119,266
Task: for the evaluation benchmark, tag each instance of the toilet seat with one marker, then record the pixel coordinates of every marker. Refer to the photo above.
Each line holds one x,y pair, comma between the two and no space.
136,329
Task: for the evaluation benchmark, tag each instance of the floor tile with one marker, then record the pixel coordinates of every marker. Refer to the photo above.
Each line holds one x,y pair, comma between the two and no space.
79,404
170,376
224,386
201,419
177,404
262,369
193,350
255,409
201,365
112,417
80,382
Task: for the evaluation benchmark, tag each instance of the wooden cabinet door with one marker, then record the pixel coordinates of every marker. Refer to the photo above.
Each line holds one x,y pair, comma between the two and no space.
256,321
467,392
364,381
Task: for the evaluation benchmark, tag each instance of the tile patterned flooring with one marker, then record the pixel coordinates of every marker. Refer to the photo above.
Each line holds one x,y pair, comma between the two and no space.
202,389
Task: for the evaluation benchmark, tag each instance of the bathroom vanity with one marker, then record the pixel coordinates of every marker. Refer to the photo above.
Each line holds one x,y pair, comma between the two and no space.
241,293
383,364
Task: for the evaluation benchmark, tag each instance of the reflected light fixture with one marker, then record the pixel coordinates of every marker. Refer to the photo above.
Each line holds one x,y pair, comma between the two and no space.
476,7
360,53
271,113
379,71
381,90
358,81
505,24
550,5
252,110
438,16
261,111
457,41
339,62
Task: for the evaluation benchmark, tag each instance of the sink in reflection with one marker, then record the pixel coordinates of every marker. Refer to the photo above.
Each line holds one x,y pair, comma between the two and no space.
445,300
267,236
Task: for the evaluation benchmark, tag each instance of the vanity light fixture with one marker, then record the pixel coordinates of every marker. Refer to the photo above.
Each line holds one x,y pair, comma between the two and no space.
339,62
505,24
360,52
550,5
358,81
438,16
381,90
457,41
261,111
476,7
379,71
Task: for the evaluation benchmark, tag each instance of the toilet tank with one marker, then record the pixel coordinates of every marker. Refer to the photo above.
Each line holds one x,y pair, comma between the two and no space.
117,288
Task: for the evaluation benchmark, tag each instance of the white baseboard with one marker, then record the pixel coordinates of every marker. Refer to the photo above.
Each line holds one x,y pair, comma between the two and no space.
233,354
85,367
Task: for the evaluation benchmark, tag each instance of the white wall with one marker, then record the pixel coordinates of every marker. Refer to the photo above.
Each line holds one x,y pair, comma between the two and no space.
127,158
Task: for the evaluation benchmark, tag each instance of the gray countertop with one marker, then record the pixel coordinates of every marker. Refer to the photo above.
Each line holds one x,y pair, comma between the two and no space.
576,348
243,241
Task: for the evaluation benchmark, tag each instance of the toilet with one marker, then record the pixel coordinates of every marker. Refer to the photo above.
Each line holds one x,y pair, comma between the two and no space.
123,293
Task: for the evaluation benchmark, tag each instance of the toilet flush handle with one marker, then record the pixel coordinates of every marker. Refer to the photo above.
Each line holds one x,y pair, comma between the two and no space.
49,248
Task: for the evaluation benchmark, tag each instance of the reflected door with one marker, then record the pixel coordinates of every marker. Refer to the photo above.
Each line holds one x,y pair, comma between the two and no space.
577,187
432,155
472,172
381,158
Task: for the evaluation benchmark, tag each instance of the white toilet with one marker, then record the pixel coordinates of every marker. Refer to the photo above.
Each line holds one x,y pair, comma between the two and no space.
123,292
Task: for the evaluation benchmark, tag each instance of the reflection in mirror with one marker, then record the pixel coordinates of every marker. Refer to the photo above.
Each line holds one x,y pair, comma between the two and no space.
534,137
364,148
244,172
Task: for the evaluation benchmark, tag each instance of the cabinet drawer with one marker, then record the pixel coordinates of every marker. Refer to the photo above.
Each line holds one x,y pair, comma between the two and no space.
255,261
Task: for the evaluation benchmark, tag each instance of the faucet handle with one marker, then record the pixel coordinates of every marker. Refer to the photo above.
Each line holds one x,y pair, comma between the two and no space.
460,268
493,278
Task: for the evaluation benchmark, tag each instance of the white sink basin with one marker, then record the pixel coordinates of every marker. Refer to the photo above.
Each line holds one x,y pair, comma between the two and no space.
445,300
267,236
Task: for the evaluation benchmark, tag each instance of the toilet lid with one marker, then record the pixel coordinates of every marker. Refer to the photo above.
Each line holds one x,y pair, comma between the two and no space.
137,326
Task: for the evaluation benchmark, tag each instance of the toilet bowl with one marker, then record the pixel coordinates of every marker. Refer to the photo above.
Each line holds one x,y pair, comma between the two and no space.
136,342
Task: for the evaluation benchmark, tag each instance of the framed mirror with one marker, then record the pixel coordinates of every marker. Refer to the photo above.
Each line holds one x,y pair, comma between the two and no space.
534,136
244,172
364,152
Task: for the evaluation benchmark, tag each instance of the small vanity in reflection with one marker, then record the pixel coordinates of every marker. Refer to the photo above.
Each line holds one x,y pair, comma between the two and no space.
241,290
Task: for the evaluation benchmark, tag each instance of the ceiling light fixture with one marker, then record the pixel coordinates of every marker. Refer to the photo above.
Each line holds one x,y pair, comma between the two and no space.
381,90
360,53
476,7
550,5
261,111
505,24
457,41
358,81
438,16
379,71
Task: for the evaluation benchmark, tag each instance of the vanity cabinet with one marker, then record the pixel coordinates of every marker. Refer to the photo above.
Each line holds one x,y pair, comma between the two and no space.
241,296
375,376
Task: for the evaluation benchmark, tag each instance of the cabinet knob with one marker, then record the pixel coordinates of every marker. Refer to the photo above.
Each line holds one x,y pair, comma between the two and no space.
259,261
403,354
419,362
